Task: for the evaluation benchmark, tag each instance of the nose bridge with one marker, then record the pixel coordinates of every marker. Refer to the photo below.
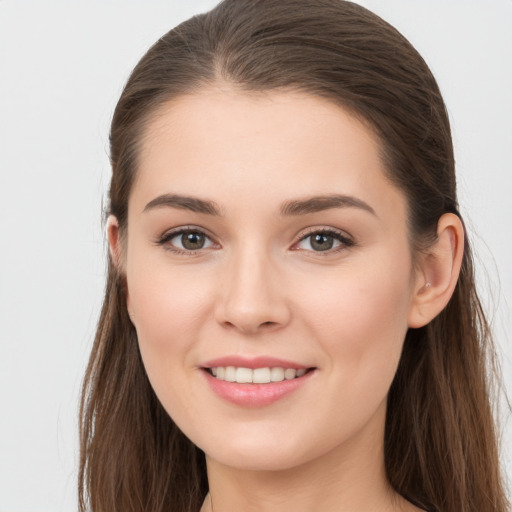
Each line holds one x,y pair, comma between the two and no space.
253,297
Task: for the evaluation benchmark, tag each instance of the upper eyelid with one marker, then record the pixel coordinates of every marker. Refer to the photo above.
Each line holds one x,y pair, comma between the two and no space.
171,233
164,240
305,233
325,229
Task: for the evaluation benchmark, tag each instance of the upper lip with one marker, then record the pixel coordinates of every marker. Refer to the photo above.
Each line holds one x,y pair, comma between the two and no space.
253,362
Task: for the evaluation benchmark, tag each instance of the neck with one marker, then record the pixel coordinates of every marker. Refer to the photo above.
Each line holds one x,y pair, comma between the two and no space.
350,477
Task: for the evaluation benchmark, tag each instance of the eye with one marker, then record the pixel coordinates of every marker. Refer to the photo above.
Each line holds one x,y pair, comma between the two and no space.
323,241
186,240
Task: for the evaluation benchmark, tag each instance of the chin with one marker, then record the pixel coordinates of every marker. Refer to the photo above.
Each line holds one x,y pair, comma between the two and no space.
261,453
257,460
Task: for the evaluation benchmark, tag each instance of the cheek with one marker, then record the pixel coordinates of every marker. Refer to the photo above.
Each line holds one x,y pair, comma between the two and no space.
168,309
361,315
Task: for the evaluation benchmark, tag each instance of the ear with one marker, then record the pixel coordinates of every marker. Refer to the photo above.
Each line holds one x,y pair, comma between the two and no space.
116,250
438,272
114,243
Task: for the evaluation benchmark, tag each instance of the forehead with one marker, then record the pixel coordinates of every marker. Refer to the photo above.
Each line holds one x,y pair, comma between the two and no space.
223,143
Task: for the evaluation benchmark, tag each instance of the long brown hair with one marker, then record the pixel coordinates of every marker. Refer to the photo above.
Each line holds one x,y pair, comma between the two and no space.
440,440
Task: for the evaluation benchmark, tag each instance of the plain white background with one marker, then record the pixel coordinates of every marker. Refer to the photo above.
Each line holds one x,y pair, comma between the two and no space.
62,67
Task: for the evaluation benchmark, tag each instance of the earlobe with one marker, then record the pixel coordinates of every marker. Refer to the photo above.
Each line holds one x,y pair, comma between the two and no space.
439,272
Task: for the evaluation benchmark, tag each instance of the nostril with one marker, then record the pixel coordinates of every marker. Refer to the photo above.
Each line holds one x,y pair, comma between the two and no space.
251,328
268,325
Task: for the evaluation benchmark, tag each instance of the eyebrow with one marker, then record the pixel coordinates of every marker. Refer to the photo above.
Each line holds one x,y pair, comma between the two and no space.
192,204
319,203
289,208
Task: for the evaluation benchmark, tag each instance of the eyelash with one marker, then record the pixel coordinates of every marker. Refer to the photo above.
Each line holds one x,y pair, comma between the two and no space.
167,237
345,241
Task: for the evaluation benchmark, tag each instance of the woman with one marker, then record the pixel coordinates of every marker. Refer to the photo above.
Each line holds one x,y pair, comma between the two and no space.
290,318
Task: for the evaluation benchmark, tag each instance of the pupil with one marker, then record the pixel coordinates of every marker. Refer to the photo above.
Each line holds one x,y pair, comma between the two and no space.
322,242
192,240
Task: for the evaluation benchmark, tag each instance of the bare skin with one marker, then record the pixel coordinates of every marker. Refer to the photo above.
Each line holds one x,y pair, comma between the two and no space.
321,485
250,180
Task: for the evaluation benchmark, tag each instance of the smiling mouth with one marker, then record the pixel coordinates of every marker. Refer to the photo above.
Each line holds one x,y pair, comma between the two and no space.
266,375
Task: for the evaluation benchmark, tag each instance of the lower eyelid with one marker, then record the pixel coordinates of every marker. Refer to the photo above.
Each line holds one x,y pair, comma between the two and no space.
338,244
343,240
207,244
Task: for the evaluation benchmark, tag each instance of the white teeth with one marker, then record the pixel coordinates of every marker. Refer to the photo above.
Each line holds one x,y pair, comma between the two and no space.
256,376
230,374
261,375
243,375
290,374
277,374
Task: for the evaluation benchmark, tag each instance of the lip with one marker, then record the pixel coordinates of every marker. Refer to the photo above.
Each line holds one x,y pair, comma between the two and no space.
253,362
254,395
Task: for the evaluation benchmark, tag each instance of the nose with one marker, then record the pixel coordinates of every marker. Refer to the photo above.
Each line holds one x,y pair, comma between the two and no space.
253,294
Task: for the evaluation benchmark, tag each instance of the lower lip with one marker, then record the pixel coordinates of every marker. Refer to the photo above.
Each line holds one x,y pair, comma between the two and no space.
255,395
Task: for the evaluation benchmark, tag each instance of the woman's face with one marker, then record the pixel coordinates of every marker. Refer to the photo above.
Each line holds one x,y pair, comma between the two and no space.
265,245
